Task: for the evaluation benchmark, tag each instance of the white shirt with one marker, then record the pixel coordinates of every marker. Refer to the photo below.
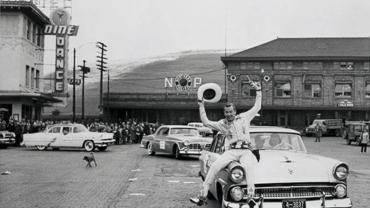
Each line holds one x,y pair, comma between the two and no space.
236,130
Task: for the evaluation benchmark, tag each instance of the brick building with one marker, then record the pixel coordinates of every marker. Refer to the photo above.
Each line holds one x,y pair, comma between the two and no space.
22,58
308,76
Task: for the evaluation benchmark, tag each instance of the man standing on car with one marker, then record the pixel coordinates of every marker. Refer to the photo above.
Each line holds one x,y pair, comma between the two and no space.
236,130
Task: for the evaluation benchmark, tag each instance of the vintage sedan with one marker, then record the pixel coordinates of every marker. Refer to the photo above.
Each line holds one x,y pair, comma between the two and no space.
178,140
286,175
68,136
6,138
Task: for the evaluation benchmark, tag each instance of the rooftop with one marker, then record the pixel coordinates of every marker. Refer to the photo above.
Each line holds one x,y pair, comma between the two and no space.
26,7
307,48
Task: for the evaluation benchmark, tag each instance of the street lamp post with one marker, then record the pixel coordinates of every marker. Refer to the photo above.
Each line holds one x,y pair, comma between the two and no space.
74,87
261,82
84,70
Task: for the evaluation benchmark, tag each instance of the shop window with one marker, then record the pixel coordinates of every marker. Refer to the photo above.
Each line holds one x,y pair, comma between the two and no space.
366,65
312,89
283,89
367,92
343,90
248,90
27,76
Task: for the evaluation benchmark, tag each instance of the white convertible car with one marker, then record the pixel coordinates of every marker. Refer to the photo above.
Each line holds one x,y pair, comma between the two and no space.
68,135
286,175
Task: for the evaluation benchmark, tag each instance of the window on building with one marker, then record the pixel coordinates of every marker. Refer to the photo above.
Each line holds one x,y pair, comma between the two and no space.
38,36
347,65
243,65
32,78
366,65
37,79
312,89
28,30
27,83
343,90
34,33
248,90
367,92
282,89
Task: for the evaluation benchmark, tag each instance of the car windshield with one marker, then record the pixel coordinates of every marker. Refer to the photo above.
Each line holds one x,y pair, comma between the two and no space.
187,131
278,141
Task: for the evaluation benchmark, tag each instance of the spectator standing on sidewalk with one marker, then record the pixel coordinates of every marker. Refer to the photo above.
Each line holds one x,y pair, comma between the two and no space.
364,140
318,132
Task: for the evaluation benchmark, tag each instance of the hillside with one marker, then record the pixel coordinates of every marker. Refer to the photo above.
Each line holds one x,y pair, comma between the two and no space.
147,76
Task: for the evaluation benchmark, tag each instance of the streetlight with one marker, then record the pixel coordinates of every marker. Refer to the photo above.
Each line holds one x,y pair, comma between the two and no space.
261,81
84,70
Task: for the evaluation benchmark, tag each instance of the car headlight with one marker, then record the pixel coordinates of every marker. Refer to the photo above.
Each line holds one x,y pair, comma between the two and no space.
13,134
341,172
186,142
237,175
236,193
340,190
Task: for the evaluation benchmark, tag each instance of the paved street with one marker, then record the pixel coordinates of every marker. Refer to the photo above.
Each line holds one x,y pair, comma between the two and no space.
127,177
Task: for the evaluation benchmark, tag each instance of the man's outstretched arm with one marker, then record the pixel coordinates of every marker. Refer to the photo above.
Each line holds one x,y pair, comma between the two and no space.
251,113
203,117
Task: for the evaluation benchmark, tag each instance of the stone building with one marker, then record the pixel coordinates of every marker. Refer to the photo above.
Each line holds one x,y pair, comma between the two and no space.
21,58
304,77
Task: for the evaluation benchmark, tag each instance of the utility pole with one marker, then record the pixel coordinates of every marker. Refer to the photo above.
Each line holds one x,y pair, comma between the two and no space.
74,87
101,66
84,70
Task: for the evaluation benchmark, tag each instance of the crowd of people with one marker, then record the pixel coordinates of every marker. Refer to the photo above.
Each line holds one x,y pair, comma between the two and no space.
130,131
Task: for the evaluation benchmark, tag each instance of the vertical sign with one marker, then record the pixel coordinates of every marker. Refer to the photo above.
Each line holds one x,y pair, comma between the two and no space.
60,63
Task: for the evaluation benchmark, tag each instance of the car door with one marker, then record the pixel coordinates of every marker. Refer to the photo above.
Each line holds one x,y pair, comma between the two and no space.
163,140
77,136
67,136
157,146
54,136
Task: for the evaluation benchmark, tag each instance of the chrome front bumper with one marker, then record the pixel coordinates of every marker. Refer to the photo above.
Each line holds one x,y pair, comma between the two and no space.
7,141
319,203
186,151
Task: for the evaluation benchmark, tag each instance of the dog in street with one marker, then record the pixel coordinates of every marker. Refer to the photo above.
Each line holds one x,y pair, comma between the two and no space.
89,159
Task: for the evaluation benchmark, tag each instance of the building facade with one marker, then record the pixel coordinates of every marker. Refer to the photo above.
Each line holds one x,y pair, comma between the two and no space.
21,58
303,78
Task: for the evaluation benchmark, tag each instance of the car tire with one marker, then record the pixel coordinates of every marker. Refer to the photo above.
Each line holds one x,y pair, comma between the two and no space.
177,153
101,149
41,147
150,149
89,145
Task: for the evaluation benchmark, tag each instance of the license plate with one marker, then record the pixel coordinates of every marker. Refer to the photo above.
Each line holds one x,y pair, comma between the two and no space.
294,203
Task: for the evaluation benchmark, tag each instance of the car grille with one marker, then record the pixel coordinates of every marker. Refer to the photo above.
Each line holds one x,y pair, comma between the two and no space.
290,192
7,135
194,146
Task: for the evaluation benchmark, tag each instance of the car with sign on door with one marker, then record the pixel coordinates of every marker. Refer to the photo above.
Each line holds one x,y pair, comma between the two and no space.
178,140
286,175
68,136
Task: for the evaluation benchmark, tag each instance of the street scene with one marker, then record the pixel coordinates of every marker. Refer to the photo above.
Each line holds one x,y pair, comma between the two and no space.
127,177
186,103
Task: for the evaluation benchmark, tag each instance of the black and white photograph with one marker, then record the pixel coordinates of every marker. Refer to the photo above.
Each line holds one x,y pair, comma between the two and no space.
184,103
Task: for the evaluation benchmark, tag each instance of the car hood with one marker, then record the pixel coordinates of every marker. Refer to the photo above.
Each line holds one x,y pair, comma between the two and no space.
290,167
191,138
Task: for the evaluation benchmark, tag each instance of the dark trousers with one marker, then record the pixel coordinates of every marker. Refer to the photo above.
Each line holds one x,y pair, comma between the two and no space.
317,138
363,147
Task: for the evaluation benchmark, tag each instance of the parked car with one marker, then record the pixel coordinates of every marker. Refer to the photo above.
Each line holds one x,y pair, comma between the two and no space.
286,175
68,135
178,140
205,131
328,127
353,130
6,138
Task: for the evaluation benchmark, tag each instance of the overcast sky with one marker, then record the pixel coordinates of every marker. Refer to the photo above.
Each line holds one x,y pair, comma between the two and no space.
135,29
